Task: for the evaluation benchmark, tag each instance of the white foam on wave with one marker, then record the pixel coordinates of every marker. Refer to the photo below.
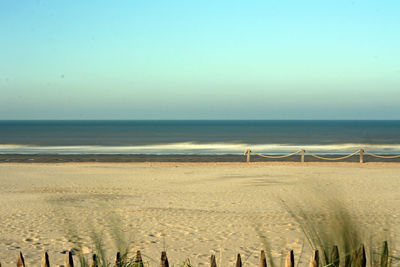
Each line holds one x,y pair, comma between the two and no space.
200,148
11,146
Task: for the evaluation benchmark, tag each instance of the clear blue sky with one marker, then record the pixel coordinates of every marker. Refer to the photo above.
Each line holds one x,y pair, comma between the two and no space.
199,59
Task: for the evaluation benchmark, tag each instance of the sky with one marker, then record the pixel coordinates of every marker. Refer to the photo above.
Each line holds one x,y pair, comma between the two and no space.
187,59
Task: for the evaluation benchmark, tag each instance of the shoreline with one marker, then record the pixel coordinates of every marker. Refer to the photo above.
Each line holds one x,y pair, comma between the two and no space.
238,165
142,158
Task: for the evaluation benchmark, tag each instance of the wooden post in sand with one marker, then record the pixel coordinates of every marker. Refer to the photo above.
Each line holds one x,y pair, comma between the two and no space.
384,256
45,260
335,259
69,261
213,262
238,261
138,259
94,261
289,259
314,262
247,152
361,259
164,259
361,155
20,260
302,155
263,261
117,259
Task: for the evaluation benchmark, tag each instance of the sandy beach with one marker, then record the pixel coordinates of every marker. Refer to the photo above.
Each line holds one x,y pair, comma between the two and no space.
188,209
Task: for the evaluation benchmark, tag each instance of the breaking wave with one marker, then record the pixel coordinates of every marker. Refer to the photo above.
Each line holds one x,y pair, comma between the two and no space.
200,149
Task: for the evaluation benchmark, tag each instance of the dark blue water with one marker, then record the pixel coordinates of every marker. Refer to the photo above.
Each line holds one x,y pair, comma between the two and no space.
195,136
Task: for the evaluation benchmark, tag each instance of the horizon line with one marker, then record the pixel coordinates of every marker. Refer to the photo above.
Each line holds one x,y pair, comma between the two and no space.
199,120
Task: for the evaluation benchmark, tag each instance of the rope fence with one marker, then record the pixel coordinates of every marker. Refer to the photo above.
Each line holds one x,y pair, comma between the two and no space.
340,158
277,157
303,152
382,157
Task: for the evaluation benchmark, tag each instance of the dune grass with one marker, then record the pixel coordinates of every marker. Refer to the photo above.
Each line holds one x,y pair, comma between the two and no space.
329,228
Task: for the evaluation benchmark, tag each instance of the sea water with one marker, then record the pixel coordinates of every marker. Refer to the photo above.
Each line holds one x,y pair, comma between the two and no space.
198,137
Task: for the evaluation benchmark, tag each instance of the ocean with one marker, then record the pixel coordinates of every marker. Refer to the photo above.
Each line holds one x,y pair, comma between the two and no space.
228,137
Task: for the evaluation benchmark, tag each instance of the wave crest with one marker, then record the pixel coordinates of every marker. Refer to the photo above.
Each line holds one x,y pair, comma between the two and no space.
199,148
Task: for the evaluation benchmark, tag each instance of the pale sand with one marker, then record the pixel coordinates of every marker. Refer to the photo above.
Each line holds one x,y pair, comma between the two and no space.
190,209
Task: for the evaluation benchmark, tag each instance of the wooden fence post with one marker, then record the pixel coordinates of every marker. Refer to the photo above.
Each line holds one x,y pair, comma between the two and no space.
238,261
361,260
138,260
164,259
20,260
302,155
263,261
314,262
117,260
45,260
94,261
290,259
335,259
361,155
384,257
213,263
69,261
248,152
347,260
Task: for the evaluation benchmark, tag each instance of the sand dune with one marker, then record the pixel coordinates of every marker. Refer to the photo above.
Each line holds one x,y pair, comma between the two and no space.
191,210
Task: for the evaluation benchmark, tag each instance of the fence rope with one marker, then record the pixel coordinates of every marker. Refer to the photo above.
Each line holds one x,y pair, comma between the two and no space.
276,157
382,157
324,158
320,157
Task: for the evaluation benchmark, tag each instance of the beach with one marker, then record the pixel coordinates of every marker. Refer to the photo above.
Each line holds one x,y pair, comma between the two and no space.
191,210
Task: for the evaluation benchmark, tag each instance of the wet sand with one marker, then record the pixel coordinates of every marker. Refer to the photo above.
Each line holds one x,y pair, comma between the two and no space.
54,158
